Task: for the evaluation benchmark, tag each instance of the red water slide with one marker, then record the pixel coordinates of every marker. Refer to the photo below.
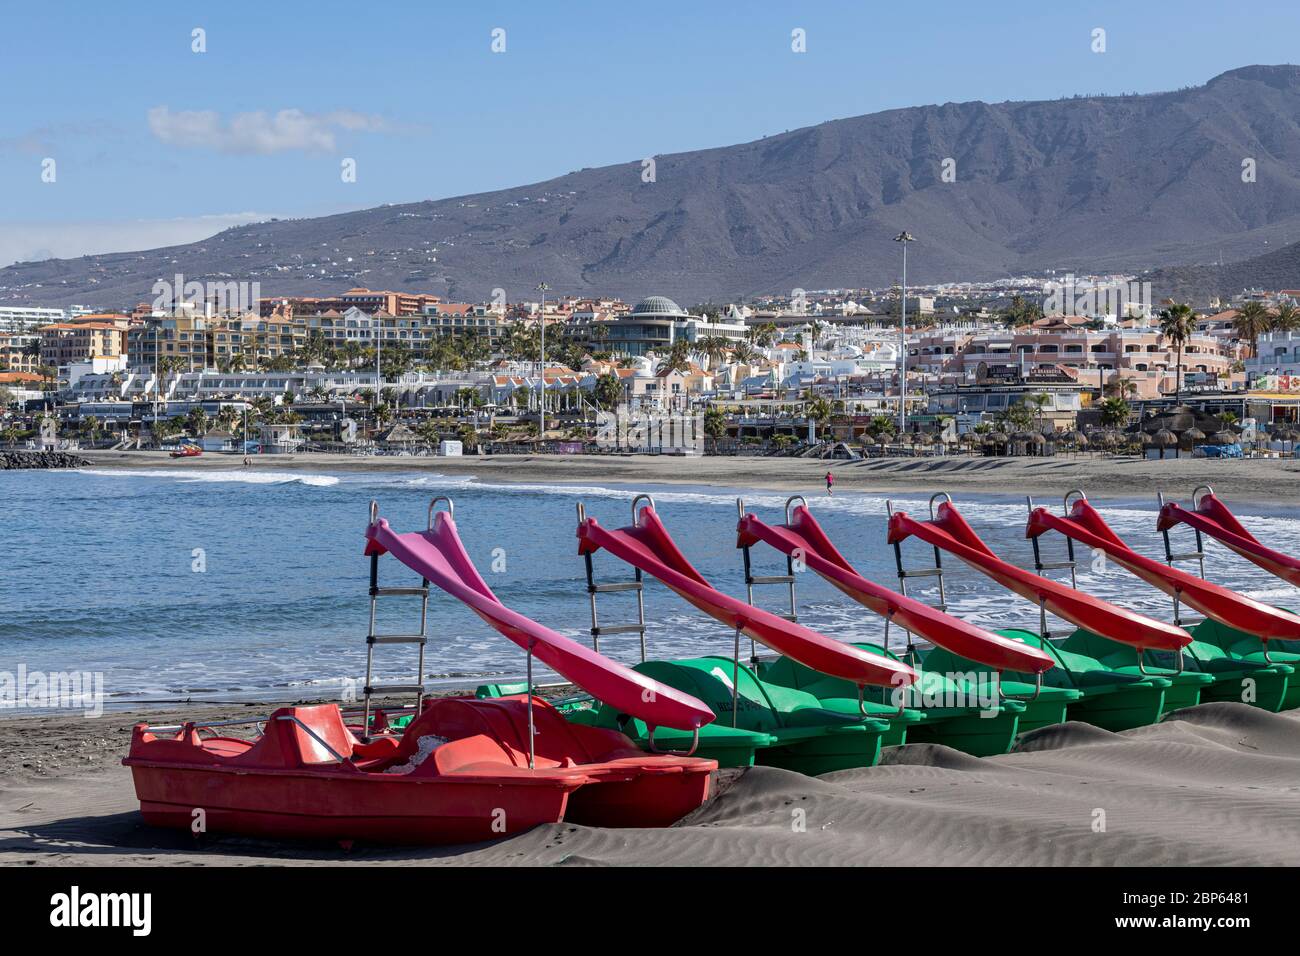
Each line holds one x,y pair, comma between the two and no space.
802,537
949,531
438,555
1211,516
1234,610
646,544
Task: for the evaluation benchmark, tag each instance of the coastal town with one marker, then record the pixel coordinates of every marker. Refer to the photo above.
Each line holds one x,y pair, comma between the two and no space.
1032,366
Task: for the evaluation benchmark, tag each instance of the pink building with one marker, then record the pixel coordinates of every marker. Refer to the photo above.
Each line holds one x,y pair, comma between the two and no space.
1140,355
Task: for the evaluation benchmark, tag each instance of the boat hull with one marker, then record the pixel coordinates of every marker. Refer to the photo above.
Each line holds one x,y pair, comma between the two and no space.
344,808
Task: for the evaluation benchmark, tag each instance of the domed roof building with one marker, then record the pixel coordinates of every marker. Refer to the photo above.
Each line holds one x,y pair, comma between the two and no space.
659,305
654,324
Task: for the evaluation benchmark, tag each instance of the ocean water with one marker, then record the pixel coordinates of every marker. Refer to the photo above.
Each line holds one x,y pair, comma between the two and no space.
222,585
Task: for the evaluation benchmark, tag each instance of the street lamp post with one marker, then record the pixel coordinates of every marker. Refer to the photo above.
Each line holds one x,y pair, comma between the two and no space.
904,238
543,288
379,375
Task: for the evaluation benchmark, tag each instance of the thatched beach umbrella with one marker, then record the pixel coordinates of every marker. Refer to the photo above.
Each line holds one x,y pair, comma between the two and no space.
1194,435
1285,434
1164,438
1224,437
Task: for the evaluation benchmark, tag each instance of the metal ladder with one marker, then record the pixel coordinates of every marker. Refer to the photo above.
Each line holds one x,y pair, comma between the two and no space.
372,638
637,585
1071,564
905,574
752,579
1198,556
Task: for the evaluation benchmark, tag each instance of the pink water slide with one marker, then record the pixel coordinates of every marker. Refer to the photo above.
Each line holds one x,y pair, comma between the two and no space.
949,531
1085,525
646,544
801,536
438,555
1211,516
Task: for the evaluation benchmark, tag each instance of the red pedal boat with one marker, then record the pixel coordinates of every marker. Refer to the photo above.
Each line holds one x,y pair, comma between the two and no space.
464,770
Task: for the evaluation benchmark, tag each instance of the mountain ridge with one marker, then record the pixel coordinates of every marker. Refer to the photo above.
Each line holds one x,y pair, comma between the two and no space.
1135,182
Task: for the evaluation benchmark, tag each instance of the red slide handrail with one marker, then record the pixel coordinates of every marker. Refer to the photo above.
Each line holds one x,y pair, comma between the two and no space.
647,545
950,532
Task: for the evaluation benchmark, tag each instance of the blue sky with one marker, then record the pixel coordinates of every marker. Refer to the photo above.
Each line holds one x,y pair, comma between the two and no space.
154,143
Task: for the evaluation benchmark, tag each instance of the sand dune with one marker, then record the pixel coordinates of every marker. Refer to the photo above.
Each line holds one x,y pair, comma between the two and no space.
1213,785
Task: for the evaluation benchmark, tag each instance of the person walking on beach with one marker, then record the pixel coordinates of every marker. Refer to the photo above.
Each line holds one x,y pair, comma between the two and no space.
830,480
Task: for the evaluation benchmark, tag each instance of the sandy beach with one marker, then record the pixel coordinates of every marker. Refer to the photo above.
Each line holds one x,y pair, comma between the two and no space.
1213,785
1261,480
1217,784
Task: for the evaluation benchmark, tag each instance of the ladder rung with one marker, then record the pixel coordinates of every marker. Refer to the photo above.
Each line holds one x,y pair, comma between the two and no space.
921,573
621,586
772,579
396,592
394,689
618,629
792,618
396,639
1188,556
1058,566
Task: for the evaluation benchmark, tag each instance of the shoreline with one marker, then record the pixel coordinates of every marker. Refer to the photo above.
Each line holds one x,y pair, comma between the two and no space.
1264,481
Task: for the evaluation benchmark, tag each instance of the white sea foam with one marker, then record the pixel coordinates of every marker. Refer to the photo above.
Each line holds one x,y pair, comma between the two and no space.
243,477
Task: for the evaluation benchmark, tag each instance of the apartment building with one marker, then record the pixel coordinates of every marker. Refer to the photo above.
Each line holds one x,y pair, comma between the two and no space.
19,351
367,300
183,337
26,318
100,335
1141,355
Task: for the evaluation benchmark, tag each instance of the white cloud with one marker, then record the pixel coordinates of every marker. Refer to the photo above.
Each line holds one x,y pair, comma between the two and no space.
259,132
33,242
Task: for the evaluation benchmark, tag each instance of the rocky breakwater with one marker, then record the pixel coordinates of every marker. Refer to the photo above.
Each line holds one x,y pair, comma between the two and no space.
40,459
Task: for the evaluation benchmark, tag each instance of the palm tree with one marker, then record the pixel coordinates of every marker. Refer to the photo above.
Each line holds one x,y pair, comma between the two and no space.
678,358
1252,321
818,410
1115,412
197,422
715,349
1285,319
608,391
1120,387
883,425
1039,401
1177,323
